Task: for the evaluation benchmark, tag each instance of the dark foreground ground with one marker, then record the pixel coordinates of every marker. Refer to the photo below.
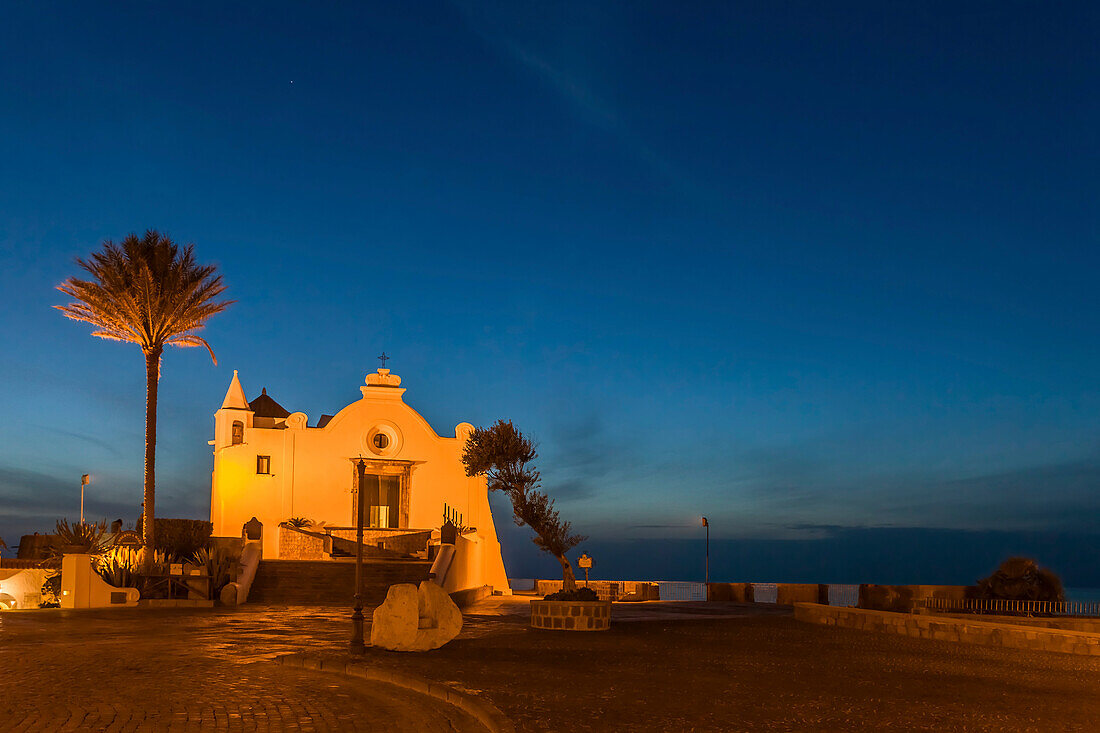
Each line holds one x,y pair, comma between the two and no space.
172,670
759,672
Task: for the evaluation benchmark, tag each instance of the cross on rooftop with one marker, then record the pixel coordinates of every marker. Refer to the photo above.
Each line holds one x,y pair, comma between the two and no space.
383,359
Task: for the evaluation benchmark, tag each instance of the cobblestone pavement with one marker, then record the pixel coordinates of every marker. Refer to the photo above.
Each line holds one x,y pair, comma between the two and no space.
131,670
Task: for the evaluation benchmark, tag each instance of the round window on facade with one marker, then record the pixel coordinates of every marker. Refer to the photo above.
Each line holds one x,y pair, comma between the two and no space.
382,440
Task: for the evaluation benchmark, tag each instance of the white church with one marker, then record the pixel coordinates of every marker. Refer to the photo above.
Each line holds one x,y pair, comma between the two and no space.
274,465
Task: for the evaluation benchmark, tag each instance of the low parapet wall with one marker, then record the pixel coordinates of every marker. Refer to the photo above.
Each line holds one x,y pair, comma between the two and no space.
952,629
785,593
301,544
606,590
904,598
470,596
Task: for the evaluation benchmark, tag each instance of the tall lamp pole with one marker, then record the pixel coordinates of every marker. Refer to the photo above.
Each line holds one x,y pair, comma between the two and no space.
84,481
707,576
356,645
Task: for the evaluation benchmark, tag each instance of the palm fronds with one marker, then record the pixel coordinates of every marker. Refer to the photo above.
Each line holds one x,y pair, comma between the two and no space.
146,291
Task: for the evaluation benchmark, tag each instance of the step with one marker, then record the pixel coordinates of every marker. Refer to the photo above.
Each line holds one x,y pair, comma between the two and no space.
330,582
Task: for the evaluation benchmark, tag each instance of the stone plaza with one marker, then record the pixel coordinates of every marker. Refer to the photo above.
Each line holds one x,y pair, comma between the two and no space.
661,666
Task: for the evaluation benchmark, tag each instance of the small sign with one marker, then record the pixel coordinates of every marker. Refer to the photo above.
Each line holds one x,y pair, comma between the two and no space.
129,538
175,568
584,561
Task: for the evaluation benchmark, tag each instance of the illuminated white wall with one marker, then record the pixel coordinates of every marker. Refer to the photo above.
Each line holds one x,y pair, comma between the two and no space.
312,472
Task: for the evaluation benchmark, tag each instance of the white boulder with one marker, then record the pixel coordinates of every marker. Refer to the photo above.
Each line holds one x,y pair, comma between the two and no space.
412,620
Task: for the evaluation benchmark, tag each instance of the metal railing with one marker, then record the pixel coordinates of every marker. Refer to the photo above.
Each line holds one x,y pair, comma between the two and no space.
671,590
1009,608
843,595
765,592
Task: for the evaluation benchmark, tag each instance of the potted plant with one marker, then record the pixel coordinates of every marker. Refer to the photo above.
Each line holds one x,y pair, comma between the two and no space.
502,454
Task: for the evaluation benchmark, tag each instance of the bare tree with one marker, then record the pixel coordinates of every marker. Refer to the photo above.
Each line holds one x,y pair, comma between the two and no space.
147,291
502,453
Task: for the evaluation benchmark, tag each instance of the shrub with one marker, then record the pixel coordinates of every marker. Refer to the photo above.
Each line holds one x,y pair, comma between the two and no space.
51,589
578,594
1021,579
179,539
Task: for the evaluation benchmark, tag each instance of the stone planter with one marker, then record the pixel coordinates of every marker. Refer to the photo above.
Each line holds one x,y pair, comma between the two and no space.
571,615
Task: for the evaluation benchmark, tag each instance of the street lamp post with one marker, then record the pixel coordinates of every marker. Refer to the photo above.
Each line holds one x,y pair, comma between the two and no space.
84,481
707,576
356,645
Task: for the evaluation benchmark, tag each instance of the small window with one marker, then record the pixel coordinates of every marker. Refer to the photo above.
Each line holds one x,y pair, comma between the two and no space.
381,441
238,432
263,464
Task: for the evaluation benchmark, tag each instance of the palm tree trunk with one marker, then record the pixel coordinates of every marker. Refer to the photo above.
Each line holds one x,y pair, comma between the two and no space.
152,377
568,582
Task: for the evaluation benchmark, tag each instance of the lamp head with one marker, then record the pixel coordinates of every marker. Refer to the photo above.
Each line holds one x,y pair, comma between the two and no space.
705,523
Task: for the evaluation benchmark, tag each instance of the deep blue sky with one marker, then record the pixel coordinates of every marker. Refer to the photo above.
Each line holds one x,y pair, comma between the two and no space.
815,272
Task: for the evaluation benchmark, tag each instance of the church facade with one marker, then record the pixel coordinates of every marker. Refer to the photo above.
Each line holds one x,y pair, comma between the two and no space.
273,465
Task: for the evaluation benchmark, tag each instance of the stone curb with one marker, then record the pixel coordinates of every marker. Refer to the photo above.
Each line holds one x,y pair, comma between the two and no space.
485,713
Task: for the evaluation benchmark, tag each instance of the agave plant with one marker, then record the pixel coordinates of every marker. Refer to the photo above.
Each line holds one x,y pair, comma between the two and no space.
299,522
118,566
83,537
218,563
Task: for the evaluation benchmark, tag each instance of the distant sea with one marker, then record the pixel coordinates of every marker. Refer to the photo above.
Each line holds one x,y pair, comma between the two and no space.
1072,594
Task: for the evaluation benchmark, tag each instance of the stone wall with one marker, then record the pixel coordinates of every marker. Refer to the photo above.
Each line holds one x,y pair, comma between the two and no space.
571,615
606,590
943,628
294,545
1091,625
470,596
903,598
737,592
403,541
785,593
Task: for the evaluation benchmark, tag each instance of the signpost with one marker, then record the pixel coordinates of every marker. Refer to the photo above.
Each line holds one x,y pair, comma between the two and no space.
585,562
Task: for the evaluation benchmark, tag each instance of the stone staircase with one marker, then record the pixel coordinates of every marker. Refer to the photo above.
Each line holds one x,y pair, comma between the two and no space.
330,582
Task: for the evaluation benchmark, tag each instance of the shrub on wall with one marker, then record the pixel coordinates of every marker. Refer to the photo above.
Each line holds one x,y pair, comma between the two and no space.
1021,579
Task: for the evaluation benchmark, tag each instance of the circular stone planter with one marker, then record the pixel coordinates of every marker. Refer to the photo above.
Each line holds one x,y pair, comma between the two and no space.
571,615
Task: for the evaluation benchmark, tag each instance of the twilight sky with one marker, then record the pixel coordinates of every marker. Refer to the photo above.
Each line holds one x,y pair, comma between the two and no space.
828,275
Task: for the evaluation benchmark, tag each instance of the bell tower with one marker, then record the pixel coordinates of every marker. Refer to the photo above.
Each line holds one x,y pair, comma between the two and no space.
233,418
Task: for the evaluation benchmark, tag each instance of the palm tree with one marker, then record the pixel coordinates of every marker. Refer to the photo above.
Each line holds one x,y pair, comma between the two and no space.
147,291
